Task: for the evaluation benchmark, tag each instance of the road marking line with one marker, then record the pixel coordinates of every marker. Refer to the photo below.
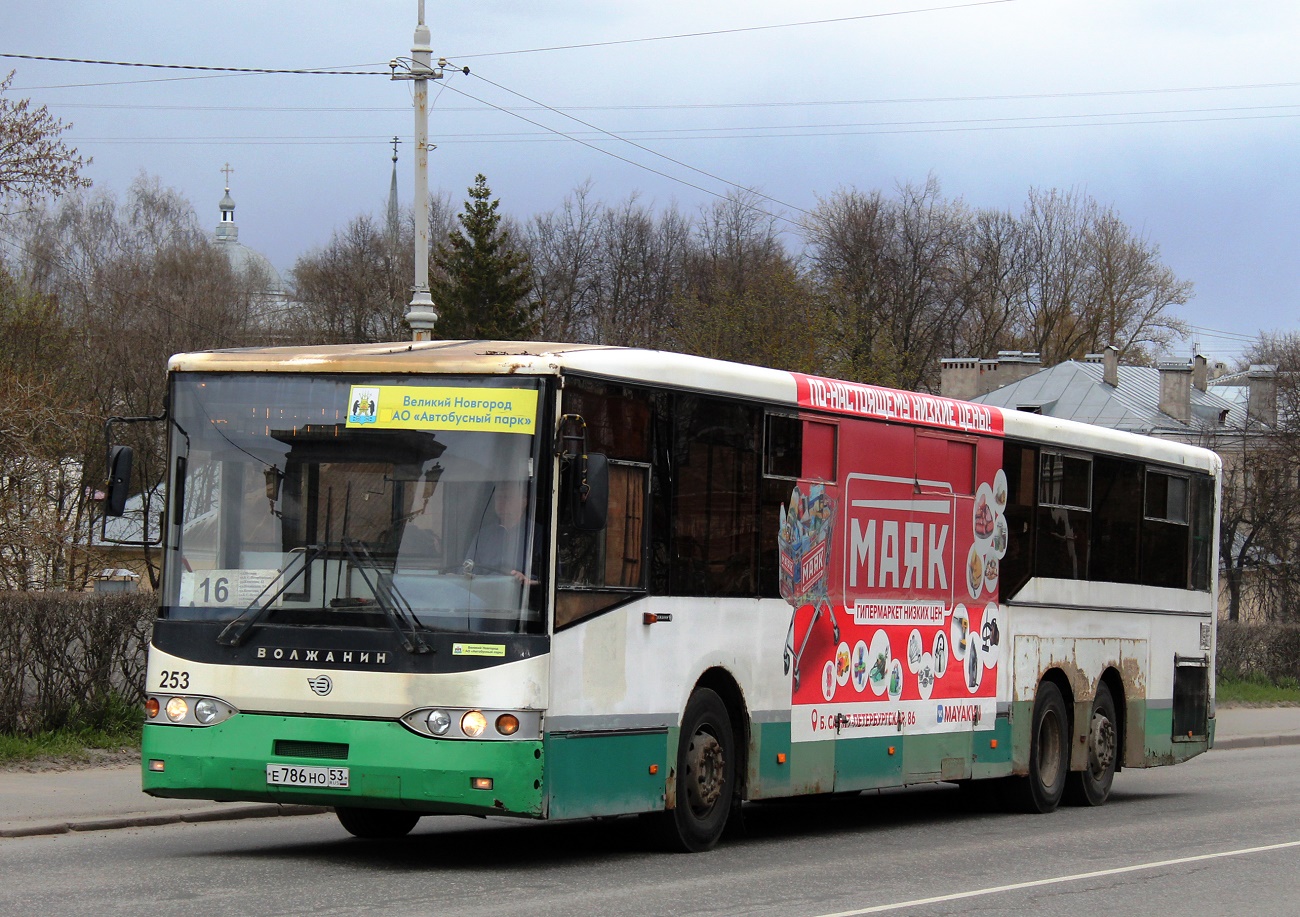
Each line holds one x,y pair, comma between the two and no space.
1057,880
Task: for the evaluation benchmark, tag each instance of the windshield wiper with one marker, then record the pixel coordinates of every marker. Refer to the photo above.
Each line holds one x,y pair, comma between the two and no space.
396,608
237,630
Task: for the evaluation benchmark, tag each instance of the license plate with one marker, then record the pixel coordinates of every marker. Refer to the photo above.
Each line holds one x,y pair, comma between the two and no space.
330,778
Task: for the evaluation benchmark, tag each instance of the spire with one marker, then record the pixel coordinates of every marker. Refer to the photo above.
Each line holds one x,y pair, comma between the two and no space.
392,197
227,231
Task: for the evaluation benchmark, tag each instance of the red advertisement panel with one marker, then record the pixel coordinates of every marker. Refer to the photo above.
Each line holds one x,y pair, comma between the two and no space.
892,575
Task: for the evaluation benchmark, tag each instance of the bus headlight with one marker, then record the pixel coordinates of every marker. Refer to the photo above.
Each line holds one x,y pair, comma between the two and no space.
206,710
439,722
473,724
177,709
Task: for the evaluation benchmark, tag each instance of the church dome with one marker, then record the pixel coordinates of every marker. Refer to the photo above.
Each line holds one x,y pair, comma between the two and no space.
245,260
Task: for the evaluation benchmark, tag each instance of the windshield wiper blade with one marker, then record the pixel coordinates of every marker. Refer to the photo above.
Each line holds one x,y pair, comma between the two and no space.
396,608
236,632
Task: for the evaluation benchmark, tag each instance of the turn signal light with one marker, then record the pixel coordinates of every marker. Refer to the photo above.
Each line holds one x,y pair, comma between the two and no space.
507,724
481,783
152,708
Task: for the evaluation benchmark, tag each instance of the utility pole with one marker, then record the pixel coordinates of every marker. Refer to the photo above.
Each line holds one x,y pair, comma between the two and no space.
420,314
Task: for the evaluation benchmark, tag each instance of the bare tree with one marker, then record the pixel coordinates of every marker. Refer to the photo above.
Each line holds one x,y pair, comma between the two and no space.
1130,293
991,280
893,272
356,288
34,160
643,263
1055,226
563,248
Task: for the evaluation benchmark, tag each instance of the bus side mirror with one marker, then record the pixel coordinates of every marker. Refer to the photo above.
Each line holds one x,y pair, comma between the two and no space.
120,459
590,493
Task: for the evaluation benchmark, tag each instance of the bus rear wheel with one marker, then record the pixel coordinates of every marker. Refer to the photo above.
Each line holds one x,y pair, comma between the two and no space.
1091,786
1041,789
376,824
706,775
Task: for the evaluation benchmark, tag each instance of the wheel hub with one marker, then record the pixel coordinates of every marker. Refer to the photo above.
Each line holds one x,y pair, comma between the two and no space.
705,772
1101,744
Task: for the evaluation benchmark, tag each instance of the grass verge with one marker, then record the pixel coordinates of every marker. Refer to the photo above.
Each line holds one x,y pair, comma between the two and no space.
74,746
1257,691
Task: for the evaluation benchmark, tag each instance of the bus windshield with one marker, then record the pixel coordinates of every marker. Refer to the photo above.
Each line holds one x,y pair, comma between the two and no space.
338,501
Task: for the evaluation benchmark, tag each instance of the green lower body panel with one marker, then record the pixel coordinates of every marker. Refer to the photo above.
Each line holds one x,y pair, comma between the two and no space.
1161,746
388,766
779,768
592,774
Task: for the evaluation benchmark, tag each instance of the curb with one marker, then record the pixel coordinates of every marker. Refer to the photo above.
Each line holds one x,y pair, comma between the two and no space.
198,816
1256,742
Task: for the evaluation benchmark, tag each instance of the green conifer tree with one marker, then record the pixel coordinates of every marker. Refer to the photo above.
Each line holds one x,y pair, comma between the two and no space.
486,279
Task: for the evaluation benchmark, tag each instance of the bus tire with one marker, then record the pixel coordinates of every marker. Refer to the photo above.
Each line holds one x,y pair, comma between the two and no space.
706,775
1040,791
1091,786
376,824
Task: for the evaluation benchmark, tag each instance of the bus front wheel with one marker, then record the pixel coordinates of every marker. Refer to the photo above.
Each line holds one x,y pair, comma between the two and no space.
376,824
706,775
1091,786
1041,789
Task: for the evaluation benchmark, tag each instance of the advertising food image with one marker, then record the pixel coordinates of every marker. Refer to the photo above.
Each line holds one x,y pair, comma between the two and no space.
892,578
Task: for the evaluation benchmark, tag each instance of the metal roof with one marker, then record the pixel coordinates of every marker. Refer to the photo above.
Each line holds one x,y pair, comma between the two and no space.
1074,390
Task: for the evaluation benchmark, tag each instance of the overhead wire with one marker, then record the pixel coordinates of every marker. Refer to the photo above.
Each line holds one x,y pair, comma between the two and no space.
700,106
604,152
735,31
311,71
643,148
885,128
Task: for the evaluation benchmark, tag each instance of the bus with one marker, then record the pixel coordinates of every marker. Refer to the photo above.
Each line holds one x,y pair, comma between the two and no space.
558,581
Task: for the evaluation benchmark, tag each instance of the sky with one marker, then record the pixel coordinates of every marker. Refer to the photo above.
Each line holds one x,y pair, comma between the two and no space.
1182,115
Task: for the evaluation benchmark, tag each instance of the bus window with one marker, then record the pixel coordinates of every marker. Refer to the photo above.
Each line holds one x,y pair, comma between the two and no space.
1064,516
597,570
715,497
1202,530
1117,494
1165,536
783,447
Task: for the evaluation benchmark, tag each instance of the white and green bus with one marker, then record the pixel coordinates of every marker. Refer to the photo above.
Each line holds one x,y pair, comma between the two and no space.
566,581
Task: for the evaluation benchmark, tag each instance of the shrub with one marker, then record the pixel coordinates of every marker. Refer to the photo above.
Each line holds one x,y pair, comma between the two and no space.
71,660
1255,652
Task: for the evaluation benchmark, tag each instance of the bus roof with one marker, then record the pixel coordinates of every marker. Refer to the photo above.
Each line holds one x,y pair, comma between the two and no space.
531,358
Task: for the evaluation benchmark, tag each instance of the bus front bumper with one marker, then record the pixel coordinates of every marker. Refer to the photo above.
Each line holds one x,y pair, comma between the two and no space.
387,765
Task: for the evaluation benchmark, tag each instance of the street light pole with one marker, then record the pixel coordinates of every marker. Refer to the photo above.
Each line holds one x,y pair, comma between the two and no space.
420,314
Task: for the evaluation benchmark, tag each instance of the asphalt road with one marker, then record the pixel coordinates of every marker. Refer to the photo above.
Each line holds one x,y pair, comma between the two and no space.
1219,835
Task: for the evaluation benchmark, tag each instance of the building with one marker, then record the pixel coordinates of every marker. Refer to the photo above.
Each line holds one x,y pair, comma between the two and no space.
270,294
1173,400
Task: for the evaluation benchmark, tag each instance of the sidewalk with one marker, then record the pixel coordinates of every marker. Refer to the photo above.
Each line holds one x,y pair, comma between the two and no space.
100,798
